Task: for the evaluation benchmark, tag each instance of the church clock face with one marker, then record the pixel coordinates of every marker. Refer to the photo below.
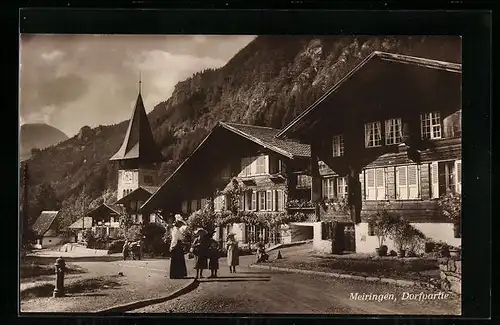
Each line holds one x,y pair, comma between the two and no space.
127,177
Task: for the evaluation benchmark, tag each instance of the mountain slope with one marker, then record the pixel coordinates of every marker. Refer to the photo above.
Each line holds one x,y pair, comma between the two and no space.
268,82
39,136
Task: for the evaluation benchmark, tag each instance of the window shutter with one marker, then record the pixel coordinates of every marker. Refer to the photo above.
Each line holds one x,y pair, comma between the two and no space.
370,184
401,183
362,184
274,196
412,182
269,200
325,188
254,201
434,180
458,177
266,164
380,183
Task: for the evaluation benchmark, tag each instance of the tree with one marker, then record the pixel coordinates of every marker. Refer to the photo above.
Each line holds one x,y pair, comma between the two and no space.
46,198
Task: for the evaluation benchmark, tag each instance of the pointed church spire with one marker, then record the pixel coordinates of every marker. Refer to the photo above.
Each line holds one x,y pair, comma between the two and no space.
139,143
140,81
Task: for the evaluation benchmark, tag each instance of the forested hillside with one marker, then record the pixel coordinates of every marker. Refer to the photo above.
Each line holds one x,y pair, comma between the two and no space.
268,82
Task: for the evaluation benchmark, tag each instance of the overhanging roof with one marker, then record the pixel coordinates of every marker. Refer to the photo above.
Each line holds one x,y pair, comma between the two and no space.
44,222
263,136
103,209
374,56
81,223
140,193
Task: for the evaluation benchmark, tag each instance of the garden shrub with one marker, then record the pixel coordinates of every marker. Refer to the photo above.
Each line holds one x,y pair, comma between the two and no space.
116,246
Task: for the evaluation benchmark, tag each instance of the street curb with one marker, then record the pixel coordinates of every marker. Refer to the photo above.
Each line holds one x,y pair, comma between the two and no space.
398,282
146,302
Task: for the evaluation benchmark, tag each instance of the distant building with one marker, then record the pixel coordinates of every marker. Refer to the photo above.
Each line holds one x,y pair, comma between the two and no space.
79,226
46,230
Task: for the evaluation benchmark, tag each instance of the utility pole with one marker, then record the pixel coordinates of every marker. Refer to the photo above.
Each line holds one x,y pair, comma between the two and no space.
24,224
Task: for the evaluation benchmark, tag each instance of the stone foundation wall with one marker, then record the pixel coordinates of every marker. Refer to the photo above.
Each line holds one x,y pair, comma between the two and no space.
451,274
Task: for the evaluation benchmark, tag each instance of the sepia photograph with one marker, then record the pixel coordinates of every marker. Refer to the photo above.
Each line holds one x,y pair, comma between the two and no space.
255,174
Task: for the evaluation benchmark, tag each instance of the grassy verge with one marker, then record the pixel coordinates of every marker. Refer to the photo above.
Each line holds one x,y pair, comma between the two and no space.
31,269
80,286
407,269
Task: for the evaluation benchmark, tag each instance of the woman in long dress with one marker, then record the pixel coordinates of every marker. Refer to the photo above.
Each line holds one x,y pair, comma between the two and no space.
233,257
200,250
178,268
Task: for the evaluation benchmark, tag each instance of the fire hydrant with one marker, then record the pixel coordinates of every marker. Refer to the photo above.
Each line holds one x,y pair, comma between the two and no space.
60,266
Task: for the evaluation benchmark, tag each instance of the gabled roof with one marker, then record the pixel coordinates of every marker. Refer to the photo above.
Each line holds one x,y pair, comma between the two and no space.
140,193
104,208
263,136
266,137
82,222
139,142
381,57
44,222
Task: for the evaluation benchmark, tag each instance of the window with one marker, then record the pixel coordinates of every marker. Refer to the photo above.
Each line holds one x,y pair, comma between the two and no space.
253,205
338,145
303,181
262,200
241,202
328,188
342,187
225,172
219,203
431,125
203,203
184,206
194,205
261,164
269,200
445,176
407,182
280,200
373,135
375,184
393,131
248,167
148,179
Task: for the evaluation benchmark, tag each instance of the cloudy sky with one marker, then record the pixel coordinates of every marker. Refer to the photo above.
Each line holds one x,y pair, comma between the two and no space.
69,81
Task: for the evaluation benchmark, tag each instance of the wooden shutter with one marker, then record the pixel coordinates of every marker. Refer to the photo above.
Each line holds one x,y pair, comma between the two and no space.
401,183
370,184
380,183
269,200
412,181
274,196
266,164
254,201
434,180
458,176
362,184
325,187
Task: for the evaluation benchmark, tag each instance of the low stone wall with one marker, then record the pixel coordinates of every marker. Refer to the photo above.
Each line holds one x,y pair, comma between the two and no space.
451,274
320,245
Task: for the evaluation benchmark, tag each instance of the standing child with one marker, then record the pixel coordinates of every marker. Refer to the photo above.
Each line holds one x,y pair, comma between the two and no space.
213,255
233,253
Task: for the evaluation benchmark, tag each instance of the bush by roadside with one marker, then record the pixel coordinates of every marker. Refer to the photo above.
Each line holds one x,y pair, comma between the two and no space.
31,269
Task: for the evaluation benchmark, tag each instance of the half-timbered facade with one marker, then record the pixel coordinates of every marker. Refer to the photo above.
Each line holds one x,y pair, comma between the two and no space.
264,168
391,131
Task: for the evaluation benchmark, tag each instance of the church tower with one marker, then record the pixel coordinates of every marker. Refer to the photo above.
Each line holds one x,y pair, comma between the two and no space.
138,155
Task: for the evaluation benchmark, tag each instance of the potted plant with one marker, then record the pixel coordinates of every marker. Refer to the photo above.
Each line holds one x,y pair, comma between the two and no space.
405,237
381,223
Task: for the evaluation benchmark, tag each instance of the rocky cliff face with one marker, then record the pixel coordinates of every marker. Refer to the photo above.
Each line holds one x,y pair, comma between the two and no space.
268,82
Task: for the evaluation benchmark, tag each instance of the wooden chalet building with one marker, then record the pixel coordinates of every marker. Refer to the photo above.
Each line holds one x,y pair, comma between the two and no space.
269,171
392,129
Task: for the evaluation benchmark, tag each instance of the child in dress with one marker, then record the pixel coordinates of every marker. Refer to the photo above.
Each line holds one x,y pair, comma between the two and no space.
213,255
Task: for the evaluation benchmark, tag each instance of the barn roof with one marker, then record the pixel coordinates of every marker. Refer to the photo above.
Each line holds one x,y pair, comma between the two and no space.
141,193
44,222
80,223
